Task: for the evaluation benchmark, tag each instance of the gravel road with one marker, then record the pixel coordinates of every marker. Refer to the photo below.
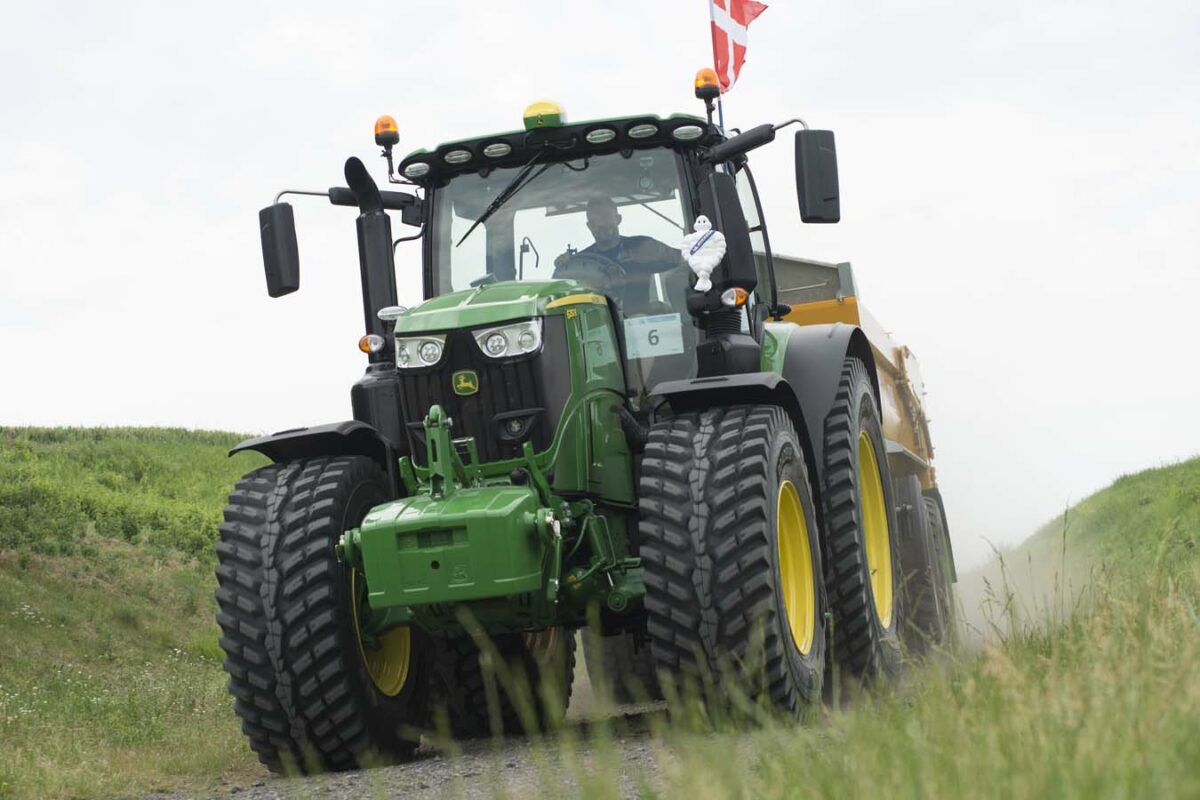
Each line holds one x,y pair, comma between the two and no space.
625,760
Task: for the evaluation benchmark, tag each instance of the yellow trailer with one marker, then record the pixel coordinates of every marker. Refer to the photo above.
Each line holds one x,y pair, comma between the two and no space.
820,292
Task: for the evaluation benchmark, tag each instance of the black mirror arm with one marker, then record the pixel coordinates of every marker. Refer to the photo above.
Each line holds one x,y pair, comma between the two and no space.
742,143
299,191
735,148
342,196
796,121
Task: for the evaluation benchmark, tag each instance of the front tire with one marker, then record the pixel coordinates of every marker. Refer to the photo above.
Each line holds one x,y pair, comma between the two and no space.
731,554
311,695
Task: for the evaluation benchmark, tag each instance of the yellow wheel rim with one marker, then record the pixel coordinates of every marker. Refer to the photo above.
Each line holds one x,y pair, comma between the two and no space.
795,567
875,528
388,664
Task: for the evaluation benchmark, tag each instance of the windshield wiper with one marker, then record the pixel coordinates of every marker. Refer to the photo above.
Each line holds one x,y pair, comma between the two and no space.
659,213
518,183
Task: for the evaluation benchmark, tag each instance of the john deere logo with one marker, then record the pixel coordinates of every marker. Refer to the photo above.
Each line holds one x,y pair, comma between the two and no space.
465,382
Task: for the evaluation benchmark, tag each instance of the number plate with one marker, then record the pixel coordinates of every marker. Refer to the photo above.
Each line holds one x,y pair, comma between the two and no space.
659,335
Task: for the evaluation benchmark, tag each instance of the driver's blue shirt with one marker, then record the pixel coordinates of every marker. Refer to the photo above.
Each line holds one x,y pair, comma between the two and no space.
613,253
642,253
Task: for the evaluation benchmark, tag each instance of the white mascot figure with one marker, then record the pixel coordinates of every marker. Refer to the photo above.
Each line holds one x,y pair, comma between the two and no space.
703,250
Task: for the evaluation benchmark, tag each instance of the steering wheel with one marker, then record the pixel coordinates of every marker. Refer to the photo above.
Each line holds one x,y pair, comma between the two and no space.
600,271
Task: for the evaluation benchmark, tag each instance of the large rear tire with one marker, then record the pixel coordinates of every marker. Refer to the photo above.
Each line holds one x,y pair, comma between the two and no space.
862,564
533,689
311,694
728,541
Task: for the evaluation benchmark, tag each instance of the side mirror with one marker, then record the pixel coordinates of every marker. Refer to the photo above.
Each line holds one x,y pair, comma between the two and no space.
281,256
817,177
719,202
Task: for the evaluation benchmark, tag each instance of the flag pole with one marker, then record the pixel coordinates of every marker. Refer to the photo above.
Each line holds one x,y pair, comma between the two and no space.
712,21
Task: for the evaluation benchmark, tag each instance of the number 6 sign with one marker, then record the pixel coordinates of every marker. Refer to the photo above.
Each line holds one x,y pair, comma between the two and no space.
657,335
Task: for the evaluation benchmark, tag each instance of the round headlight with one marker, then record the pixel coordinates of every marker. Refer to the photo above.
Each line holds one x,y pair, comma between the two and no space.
417,169
526,341
495,344
430,352
402,356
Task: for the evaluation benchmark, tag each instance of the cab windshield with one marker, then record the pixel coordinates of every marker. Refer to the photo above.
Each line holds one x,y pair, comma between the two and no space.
590,219
613,222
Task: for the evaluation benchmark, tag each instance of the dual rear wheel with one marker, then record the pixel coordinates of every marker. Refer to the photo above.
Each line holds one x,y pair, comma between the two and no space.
748,582
732,561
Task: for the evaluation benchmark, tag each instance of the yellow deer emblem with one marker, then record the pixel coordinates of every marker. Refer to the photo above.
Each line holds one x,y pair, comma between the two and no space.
465,382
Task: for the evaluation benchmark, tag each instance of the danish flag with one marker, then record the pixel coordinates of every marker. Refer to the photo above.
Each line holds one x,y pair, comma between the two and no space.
730,19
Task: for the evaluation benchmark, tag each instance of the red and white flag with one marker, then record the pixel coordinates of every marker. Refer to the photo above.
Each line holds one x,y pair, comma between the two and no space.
730,19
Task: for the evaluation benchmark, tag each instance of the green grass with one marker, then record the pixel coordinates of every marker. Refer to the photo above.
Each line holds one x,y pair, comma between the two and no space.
110,677
1087,682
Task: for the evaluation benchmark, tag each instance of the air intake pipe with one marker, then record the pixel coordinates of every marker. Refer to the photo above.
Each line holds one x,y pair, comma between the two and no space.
376,261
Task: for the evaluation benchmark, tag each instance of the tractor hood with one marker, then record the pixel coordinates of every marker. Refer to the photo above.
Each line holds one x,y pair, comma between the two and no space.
485,305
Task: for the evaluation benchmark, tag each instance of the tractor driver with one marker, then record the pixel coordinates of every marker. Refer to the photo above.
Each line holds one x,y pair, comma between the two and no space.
636,255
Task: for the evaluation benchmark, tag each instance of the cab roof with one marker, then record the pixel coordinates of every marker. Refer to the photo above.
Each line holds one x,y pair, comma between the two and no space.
568,141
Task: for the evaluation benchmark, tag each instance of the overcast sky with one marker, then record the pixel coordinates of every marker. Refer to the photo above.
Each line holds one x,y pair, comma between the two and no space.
1020,183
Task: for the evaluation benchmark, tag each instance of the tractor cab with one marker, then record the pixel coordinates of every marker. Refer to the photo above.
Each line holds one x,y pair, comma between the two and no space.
610,219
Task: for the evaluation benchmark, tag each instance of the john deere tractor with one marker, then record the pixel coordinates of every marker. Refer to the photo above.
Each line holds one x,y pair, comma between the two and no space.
573,431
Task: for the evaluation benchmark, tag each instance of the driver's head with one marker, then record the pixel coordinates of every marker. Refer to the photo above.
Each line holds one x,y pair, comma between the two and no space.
604,222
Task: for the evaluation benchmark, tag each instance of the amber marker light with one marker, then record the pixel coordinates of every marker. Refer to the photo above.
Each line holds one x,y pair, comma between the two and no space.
735,297
386,132
707,85
371,343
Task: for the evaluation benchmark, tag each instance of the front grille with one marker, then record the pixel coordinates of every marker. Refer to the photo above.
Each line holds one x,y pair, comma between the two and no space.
531,390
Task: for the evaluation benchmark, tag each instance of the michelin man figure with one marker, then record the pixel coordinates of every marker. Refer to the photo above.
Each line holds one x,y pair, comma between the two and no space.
703,250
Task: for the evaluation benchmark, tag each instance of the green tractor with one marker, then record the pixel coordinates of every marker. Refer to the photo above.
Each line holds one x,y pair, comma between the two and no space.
618,439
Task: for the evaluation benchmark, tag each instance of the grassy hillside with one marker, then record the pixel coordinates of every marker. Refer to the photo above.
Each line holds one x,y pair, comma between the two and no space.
1145,520
158,487
1143,525
110,678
